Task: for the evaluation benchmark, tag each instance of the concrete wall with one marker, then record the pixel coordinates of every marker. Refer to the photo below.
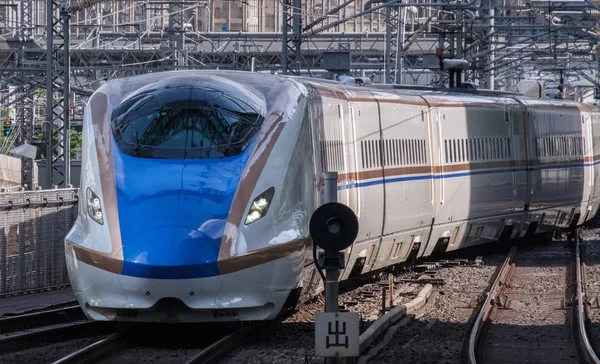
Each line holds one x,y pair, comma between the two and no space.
10,172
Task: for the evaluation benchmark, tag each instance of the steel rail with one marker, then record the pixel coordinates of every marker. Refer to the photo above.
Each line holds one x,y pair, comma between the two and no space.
95,350
225,343
584,348
57,333
40,318
486,308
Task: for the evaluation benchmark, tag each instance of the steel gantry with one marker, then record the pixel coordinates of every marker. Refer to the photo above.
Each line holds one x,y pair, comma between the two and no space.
67,48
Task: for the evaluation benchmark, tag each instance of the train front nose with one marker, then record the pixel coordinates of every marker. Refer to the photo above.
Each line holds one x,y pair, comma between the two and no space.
170,253
172,217
180,147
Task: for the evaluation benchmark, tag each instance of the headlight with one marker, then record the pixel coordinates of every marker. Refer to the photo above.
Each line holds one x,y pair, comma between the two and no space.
94,207
260,206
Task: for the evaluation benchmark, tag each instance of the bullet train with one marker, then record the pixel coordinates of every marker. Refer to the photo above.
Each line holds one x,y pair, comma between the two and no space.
197,187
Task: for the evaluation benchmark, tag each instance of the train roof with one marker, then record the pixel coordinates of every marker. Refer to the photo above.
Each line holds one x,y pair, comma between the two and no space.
263,83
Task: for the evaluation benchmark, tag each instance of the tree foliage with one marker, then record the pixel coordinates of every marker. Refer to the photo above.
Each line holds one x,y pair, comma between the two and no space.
75,137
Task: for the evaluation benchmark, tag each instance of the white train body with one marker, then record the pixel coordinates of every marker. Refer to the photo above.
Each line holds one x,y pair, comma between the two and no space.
174,233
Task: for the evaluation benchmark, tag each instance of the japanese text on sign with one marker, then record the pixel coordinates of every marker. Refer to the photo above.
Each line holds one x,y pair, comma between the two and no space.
336,334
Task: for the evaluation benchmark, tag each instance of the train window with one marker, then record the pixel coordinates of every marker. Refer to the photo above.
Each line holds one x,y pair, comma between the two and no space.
403,151
572,145
457,150
484,155
414,151
376,159
376,156
332,163
330,159
462,150
373,163
330,166
340,151
561,146
395,151
454,152
368,152
362,152
486,150
446,149
187,118
372,160
483,152
499,146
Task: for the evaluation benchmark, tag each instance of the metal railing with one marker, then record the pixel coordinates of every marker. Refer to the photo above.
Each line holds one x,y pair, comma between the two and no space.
33,225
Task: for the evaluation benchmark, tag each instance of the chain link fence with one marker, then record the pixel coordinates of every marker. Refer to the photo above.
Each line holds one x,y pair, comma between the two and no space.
33,225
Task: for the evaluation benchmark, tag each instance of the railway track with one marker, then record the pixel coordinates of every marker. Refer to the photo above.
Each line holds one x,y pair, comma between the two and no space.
67,313
535,309
50,326
177,345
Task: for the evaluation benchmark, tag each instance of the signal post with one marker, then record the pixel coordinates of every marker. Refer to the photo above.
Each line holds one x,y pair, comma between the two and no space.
333,228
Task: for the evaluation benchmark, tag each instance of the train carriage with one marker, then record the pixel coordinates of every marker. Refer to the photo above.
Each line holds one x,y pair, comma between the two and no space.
198,186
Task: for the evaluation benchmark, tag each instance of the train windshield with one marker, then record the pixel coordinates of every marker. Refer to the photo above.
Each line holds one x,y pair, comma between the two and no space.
184,119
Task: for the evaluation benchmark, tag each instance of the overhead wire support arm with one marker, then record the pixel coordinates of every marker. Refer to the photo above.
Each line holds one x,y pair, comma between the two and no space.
80,5
474,4
325,16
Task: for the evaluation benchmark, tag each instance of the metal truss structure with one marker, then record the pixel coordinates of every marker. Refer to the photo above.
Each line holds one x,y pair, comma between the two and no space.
54,53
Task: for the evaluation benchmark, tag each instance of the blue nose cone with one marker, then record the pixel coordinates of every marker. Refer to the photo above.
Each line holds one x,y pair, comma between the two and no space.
172,213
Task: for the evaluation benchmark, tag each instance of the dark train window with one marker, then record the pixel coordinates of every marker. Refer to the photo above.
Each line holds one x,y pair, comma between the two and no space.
187,118
389,152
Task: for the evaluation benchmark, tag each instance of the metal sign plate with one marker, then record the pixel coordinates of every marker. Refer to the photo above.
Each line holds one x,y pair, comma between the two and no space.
336,334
